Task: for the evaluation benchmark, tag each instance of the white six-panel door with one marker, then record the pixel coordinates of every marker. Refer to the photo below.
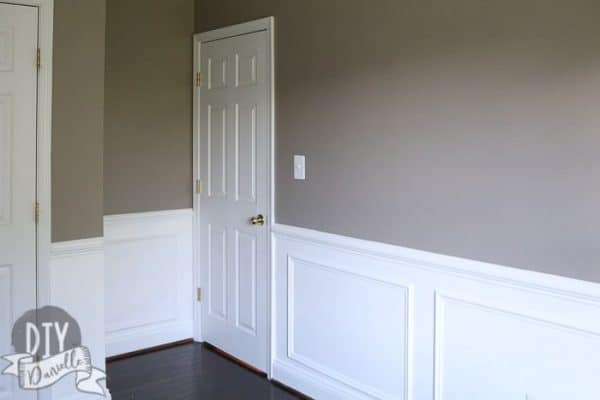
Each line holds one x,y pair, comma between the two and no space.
18,93
233,166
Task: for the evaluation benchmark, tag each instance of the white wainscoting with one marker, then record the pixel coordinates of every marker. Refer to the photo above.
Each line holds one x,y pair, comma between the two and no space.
355,319
149,285
77,286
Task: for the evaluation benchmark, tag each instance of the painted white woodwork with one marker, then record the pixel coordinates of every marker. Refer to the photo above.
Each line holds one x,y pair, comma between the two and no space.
6,150
148,280
18,97
233,139
531,346
355,319
45,23
77,286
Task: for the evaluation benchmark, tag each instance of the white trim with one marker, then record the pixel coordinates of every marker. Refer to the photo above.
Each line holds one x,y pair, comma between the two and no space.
144,337
302,360
264,24
319,388
508,276
75,248
447,295
196,199
271,176
445,298
148,215
44,149
44,140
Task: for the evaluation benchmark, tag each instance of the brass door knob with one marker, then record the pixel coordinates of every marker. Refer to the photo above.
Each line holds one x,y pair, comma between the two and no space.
258,220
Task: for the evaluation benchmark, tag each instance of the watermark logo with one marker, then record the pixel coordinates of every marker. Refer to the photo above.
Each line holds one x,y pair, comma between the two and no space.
48,348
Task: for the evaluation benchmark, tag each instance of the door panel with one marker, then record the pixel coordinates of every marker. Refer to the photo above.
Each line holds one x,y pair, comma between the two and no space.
217,156
18,93
217,271
233,163
6,123
245,153
245,280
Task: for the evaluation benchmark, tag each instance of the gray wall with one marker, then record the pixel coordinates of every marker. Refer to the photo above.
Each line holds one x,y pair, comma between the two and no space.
462,127
77,119
148,117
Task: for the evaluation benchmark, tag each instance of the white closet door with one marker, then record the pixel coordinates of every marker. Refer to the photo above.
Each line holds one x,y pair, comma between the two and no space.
18,93
234,167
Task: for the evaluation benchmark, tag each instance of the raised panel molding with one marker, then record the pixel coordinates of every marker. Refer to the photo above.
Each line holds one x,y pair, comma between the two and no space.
511,353
217,272
449,328
245,153
352,309
217,156
148,260
245,272
6,48
217,73
149,285
6,121
245,68
344,320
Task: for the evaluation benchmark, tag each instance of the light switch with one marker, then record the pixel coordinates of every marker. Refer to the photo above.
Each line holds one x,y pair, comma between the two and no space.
299,167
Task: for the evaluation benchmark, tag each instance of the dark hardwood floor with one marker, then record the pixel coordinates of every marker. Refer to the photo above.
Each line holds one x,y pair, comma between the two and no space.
188,372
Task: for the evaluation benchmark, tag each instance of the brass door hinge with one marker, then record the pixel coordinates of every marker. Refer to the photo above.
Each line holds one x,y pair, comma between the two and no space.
199,79
199,295
36,212
198,186
38,61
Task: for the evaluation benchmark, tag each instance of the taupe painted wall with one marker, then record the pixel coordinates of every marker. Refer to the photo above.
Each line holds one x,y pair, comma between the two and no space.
77,119
148,117
463,127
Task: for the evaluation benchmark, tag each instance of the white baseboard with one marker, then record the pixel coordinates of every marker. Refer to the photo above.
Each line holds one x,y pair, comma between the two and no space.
355,319
311,384
129,340
149,285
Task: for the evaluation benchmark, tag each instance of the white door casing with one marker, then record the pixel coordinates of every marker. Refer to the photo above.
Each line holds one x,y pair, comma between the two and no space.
233,163
18,104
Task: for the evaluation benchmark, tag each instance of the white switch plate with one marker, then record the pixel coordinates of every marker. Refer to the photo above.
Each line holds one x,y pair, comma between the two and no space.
299,167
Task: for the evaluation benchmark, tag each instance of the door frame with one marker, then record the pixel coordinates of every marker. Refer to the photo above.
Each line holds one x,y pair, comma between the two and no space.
266,24
44,143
